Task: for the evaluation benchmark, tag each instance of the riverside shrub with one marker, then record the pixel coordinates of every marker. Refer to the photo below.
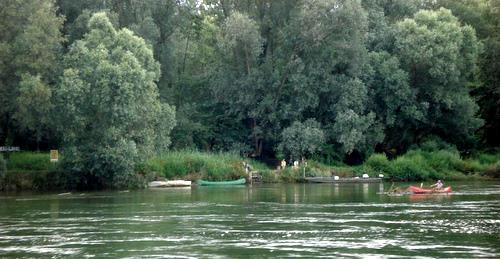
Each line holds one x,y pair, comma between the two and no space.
378,162
420,164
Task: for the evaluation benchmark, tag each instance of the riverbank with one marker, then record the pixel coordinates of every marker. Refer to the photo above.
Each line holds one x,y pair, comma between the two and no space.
33,171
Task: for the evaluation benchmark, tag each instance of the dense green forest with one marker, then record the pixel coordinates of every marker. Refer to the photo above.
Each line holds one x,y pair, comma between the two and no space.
111,83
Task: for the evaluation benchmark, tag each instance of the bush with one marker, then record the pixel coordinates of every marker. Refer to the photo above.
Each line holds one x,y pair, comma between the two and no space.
269,176
434,143
485,158
290,175
106,166
444,160
409,168
378,163
419,164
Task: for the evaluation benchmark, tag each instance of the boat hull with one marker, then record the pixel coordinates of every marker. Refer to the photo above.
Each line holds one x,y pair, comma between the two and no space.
417,190
171,183
210,183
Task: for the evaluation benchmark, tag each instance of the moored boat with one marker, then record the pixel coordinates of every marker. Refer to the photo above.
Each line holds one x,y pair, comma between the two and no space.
235,182
418,190
169,183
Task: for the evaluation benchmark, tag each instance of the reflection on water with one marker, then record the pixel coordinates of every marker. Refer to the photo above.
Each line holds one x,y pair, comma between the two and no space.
306,220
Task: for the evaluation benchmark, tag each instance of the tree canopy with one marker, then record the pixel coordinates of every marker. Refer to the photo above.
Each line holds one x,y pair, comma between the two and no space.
108,103
244,75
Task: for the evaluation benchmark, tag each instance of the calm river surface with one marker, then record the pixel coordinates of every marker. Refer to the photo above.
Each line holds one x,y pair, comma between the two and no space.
286,220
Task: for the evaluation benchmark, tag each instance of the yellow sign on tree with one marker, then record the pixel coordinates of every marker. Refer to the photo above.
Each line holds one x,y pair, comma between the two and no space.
54,155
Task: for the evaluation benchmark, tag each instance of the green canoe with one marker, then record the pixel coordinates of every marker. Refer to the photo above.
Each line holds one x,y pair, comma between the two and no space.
235,182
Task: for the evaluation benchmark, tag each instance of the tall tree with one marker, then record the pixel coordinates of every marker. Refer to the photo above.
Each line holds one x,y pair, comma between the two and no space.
392,100
108,103
30,42
330,44
440,56
236,81
489,92
34,106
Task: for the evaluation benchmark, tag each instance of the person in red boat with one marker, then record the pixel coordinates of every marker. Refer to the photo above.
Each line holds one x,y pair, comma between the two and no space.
438,185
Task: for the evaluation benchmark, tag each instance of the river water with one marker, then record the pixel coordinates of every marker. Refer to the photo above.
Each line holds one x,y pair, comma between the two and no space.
284,220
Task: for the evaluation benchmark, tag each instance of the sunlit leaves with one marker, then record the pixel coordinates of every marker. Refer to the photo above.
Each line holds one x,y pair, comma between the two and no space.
108,103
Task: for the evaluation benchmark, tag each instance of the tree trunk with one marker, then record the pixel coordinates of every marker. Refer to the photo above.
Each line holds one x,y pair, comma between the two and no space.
185,54
247,61
257,141
38,138
225,10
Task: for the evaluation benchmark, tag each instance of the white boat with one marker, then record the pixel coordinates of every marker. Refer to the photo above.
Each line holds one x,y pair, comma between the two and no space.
169,183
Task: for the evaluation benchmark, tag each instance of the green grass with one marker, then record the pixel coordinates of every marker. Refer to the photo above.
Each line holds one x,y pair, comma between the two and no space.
315,168
31,171
197,165
31,161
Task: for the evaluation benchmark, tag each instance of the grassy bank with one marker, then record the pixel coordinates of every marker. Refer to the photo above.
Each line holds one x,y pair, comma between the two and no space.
419,165
33,171
415,165
196,165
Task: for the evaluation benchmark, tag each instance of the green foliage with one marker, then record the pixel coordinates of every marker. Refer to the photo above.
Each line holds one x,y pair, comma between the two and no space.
290,175
423,164
30,161
30,44
78,27
269,176
302,140
433,143
197,165
409,168
354,128
34,105
147,30
440,56
485,158
165,124
389,74
241,37
378,162
108,105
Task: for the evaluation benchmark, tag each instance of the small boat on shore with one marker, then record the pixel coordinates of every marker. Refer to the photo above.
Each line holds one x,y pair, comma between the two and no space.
343,180
211,183
170,183
418,190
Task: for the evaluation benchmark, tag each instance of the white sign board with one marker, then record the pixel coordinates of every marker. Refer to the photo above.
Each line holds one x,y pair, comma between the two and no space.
9,149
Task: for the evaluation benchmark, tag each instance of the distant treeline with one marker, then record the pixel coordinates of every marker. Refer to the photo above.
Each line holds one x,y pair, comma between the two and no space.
113,82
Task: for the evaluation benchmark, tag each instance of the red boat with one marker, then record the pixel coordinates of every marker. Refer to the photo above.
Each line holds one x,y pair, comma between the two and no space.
417,190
